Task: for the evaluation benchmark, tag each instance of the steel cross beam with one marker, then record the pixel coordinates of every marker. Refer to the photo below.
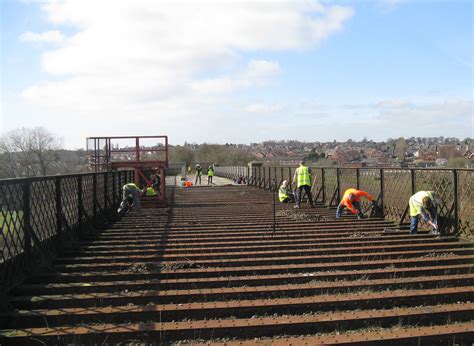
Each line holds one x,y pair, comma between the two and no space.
146,155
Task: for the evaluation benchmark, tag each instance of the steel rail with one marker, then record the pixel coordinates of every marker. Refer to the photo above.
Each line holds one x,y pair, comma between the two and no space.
239,308
257,327
164,256
167,272
224,293
108,284
460,332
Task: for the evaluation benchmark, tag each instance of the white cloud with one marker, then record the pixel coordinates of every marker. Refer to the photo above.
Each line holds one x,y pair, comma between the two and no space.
157,57
389,5
263,108
53,36
380,120
394,103
257,73
430,114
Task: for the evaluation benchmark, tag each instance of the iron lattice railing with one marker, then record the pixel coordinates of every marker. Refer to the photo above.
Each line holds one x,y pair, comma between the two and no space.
40,215
391,186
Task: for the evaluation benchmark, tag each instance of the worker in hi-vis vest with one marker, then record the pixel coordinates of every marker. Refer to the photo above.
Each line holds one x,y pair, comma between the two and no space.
198,174
302,179
150,191
210,174
423,203
284,193
351,201
130,198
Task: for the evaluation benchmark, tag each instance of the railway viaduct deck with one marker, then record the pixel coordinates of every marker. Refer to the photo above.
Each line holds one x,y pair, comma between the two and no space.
215,268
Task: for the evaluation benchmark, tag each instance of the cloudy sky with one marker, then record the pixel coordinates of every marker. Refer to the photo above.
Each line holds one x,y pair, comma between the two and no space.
238,71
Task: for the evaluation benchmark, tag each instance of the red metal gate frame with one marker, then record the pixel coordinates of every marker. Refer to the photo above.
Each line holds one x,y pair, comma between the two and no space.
101,160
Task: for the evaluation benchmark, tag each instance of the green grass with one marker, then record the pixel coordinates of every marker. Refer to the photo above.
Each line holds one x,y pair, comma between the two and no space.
10,221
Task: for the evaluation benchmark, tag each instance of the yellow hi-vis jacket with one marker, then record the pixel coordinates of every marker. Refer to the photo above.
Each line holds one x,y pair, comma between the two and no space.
416,201
302,175
210,172
282,194
150,191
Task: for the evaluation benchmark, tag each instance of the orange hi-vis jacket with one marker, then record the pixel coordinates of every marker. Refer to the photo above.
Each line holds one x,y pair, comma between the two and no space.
358,194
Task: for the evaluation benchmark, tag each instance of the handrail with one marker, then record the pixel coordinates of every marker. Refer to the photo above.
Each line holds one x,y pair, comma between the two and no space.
41,215
394,185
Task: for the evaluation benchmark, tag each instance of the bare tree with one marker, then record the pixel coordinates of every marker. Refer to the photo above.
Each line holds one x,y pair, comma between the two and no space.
28,152
182,154
8,166
400,148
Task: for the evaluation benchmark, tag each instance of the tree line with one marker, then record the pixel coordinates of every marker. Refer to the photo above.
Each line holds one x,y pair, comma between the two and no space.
223,155
29,152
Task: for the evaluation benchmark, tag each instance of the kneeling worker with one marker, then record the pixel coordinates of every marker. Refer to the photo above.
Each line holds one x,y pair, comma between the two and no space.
351,200
131,192
151,191
423,203
284,195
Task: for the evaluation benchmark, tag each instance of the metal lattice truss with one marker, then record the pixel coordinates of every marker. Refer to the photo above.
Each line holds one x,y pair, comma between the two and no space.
40,214
391,187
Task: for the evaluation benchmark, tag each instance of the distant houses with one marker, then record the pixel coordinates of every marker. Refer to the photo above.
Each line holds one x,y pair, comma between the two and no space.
411,152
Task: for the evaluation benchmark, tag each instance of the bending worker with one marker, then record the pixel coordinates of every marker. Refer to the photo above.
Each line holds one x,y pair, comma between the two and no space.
284,195
303,179
423,203
131,193
351,200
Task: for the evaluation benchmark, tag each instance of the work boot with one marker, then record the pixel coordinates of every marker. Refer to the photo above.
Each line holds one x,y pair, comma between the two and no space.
296,206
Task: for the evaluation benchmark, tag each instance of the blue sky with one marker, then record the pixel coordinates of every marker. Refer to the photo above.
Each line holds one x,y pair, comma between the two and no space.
238,72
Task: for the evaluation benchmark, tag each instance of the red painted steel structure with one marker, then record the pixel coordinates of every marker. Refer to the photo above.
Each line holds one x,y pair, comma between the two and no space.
148,161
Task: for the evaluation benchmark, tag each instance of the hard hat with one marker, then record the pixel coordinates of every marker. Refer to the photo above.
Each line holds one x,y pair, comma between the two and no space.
284,183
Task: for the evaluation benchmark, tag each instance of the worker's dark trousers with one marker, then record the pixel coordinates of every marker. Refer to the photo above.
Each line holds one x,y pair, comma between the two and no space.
289,199
198,176
414,221
299,193
209,179
340,209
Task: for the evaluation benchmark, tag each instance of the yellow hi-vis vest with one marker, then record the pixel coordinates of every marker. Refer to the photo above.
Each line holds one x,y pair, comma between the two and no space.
210,172
416,201
303,176
282,194
150,191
